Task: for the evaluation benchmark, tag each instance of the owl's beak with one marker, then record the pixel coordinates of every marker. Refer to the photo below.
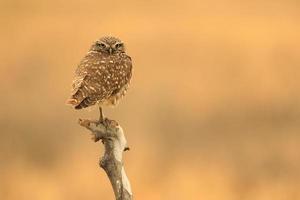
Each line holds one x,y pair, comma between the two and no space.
110,50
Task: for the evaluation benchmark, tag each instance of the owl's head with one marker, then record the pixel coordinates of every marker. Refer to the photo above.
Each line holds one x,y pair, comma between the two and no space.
109,45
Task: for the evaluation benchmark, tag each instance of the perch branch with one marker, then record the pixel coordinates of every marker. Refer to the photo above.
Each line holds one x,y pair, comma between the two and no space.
113,138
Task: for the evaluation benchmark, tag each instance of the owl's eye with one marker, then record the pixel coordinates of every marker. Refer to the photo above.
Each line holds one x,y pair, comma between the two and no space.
102,45
119,45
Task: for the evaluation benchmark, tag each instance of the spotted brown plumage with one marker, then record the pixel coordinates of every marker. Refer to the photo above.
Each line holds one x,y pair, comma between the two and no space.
103,75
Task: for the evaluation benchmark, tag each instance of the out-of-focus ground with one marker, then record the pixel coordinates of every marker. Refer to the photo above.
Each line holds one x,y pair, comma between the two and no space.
212,113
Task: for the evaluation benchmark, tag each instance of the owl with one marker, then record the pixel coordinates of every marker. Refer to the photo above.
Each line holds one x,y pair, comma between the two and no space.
103,75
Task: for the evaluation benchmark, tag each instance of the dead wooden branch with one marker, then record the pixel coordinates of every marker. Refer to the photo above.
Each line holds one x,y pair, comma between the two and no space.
113,138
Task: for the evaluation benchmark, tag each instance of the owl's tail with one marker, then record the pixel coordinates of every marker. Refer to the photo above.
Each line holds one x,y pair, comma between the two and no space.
79,105
72,102
76,99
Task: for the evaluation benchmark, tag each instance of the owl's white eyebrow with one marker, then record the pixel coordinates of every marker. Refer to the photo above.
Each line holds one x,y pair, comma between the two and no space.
100,42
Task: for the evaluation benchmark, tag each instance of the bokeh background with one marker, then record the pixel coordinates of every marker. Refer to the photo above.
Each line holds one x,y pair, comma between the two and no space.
212,113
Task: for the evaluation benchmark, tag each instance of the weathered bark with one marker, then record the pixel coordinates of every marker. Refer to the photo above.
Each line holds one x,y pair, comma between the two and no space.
113,138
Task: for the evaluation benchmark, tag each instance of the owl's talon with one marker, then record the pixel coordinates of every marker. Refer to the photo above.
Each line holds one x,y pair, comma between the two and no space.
95,138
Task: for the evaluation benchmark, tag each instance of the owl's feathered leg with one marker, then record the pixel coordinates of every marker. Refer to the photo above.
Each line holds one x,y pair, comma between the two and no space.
101,117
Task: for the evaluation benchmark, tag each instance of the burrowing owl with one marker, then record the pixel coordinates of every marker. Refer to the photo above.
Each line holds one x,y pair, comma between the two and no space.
103,75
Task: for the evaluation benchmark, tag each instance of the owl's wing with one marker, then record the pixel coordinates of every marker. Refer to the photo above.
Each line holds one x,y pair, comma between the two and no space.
78,81
86,87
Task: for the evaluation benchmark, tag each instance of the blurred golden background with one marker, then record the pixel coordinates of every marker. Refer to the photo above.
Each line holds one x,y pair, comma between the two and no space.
212,112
